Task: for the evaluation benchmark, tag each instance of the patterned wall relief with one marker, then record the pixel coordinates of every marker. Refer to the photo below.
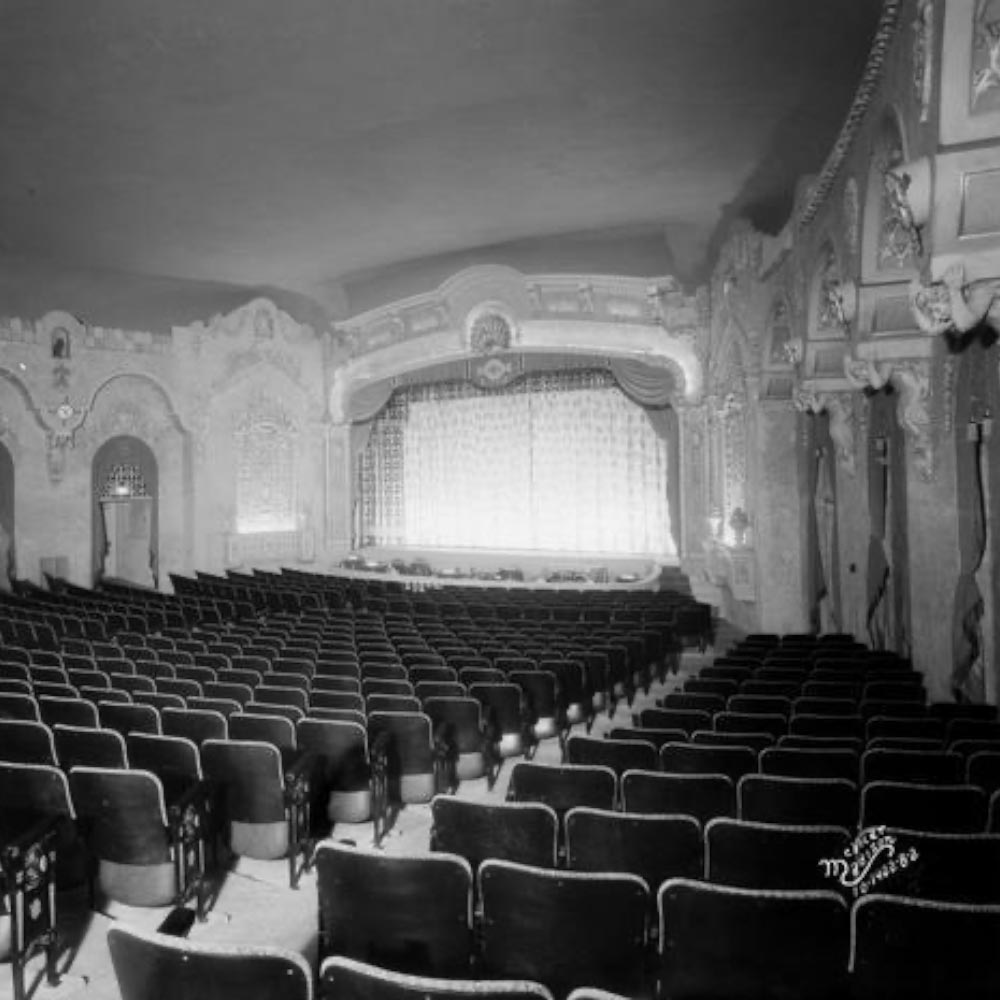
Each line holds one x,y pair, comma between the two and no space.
898,240
265,441
785,349
836,298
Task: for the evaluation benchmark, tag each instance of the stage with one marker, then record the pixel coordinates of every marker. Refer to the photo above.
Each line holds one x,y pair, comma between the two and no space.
488,568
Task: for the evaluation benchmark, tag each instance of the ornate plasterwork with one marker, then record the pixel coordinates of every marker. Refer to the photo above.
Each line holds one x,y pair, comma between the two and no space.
867,89
851,205
951,304
985,62
923,52
490,328
911,378
525,299
836,297
839,407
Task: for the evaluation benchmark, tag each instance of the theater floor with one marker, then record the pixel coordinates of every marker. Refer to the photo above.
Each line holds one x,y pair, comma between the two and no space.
254,904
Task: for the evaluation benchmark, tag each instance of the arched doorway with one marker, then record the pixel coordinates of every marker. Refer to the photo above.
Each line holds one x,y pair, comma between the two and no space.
8,566
125,512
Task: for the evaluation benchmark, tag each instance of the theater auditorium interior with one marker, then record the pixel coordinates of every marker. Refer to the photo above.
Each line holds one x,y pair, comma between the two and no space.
497,499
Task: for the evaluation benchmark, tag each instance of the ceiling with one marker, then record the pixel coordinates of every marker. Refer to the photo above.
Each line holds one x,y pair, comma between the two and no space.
162,156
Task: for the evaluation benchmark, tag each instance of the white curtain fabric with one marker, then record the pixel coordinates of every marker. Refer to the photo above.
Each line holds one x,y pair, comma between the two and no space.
562,465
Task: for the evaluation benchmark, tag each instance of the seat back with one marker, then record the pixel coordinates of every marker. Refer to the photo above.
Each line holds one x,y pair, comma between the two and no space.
792,762
250,775
562,787
722,941
409,913
525,832
127,719
255,727
23,741
653,847
124,814
918,949
195,724
68,711
563,929
171,968
766,798
173,759
83,747
348,979
619,755
925,767
771,855
930,808
702,796
950,867
690,758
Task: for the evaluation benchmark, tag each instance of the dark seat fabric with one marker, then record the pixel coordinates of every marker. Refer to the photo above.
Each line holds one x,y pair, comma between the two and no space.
409,913
720,941
170,968
563,929
913,949
525,832
771,855
798,801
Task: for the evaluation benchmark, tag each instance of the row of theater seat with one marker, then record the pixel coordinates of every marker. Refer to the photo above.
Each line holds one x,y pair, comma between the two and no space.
741,853
761,797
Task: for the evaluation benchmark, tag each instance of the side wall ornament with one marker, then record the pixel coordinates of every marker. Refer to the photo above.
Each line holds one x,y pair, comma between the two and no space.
911,380
923,54
838,406
952,305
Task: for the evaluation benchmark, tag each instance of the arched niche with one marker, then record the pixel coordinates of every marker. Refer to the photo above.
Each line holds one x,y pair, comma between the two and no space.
137,405
125,511
8,564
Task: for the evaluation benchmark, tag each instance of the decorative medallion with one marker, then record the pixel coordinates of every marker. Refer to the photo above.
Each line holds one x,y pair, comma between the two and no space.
490,328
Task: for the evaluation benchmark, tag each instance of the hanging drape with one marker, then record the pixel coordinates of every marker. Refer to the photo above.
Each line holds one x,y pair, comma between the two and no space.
665,423
967,606
878,564
647,384
561,461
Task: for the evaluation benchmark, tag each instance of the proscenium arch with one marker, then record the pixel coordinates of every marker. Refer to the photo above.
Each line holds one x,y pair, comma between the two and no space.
649,344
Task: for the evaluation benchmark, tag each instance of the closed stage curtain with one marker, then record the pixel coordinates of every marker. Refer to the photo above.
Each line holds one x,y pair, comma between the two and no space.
558,462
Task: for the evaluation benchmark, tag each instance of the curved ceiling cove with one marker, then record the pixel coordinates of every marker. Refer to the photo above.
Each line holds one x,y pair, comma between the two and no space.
355,151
